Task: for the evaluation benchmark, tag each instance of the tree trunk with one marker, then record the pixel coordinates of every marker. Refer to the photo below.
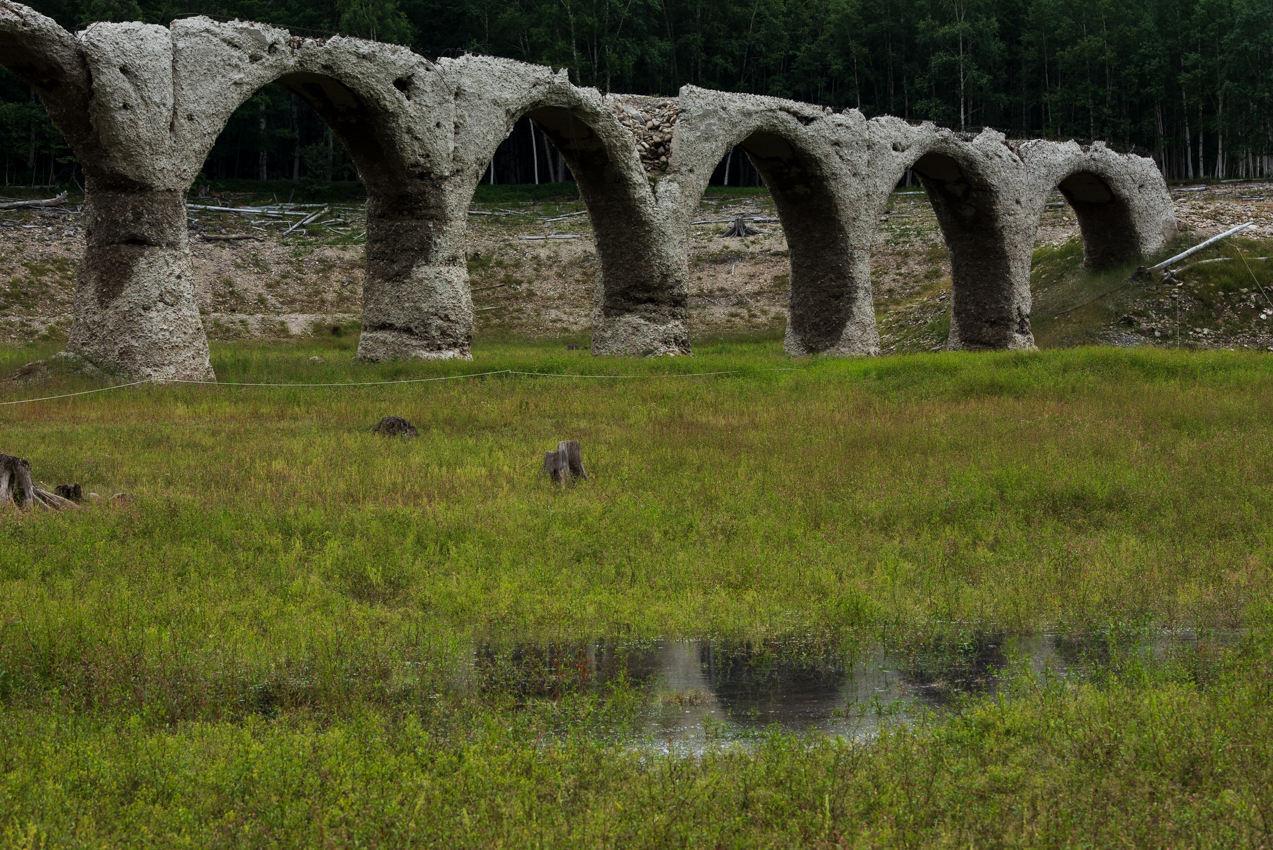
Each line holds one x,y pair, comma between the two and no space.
296,142
565,463
17,488
1188,140
534,152
263,159
331,152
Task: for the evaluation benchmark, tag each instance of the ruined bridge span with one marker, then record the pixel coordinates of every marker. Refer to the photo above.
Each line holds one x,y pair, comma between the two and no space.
141,106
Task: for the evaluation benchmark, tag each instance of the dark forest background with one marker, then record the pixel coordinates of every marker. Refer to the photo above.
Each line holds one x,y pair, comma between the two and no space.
1189,82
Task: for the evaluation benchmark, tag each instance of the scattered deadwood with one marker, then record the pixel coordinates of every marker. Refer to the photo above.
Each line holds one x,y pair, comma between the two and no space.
229,237
741,228
395,426
565,463
315,217
1195,249
59,201
17,488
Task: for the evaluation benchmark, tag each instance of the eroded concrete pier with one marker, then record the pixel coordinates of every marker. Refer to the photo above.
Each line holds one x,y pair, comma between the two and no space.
142,105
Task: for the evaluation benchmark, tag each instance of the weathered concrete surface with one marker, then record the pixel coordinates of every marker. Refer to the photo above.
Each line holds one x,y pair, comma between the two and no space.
142,105
977,186
110,92
814,162
1121,201
395,113
641,297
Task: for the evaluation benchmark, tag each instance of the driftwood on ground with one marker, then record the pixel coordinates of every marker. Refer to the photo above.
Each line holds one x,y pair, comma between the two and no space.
17,487
59,201
565,463
1199,247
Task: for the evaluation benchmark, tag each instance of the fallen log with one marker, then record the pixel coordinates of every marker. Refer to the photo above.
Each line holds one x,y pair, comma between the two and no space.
17,488
1196,248
306,221
59,201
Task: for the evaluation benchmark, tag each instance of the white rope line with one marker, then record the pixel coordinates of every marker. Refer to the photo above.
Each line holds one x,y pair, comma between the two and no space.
382,383
625,377
68,395
348,384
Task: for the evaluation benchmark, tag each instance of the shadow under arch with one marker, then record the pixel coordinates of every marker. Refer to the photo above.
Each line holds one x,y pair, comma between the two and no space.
393,113
640,302
990,299
1106,222
807,158
830,287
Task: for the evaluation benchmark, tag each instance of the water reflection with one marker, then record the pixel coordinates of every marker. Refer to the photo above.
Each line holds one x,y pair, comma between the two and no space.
558,668
707,691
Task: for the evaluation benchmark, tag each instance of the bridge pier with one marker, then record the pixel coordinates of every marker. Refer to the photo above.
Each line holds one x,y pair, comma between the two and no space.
142,105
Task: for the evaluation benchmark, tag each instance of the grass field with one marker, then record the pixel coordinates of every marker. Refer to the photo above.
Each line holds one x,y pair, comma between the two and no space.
270,643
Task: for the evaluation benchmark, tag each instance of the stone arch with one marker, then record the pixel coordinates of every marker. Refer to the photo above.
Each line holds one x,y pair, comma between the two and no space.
640,298
975,185
44,56
134,306
394,113
1121,202
811,161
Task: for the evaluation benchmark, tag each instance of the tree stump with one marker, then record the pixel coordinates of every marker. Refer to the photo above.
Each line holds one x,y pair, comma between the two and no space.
740,228
17,488
395,426
565,463
70,491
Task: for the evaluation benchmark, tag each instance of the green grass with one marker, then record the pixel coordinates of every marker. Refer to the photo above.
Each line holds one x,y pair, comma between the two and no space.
269,642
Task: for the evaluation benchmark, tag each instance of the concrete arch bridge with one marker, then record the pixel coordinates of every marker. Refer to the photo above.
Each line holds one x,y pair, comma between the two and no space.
141,106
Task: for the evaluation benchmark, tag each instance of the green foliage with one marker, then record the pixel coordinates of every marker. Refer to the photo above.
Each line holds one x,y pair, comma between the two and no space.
377,20
292,633
1187,80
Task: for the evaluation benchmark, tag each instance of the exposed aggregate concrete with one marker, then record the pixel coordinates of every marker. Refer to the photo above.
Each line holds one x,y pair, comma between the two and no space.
142,105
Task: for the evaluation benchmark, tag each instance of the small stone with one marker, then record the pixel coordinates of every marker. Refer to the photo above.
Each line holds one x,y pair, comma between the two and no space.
315,359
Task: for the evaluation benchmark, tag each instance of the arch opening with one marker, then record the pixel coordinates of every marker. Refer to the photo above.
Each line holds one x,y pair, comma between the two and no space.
830,290
639,297
1105,221
286,139
990,298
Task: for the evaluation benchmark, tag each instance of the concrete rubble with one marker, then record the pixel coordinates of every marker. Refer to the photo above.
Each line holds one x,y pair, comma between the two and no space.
141,106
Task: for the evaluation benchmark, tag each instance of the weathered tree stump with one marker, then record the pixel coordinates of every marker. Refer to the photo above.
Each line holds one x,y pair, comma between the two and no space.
741,228
17,488
565,463
73,492
395,426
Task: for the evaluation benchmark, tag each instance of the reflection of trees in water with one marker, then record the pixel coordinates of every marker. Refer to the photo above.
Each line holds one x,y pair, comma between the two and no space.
1093,647
772,682
946,668
558,668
